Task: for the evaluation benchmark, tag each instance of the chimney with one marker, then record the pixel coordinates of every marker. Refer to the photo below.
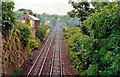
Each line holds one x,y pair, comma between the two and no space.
34,15
24,13
30,13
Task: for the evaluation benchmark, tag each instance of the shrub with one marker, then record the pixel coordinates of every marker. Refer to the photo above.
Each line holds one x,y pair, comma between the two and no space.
41,32
101,40
75,39
104,23
27,21
47,27
37,39
33,44
64,28
8,17
82,59
98,54
71,31
104,27
24,33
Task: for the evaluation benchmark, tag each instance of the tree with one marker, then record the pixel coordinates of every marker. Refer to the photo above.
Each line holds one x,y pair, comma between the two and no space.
103,44
8,17
81,9
22,9
99,5
54,19
41,32
105,22
0,14
18,14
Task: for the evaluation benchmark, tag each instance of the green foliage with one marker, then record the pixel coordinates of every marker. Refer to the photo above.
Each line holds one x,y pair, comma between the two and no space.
64,28
8,17
41,32
16,72
75,39
71,31
68,21
33,44
81,9
102,43
92,70
63,20
27,21
24,33
22,9
85,30
0,14
18,14
47,26
37,39
103,24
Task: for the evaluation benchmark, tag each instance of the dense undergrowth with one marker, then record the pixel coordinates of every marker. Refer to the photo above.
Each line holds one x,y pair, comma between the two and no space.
100,36
24,34
42,31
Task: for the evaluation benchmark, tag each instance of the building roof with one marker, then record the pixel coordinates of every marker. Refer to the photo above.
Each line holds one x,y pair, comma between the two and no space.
30,16
33,17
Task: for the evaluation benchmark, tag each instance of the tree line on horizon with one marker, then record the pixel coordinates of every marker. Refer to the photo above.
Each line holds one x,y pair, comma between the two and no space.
64,20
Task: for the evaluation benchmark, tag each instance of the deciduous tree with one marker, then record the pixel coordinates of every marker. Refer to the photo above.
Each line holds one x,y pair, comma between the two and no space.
8,17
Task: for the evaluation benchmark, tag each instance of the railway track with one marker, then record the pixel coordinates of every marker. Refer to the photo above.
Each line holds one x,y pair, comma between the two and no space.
56,67
49,61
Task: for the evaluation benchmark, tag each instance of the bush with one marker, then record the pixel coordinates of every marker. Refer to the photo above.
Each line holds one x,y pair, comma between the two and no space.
75,40
63,27
41,32
101,39
104,23
82,59
104,27
33,44
27,21
8,17
37,39
71,31
24,33
47,27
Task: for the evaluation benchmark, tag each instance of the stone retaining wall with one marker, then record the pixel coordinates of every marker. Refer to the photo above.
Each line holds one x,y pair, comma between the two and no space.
13,54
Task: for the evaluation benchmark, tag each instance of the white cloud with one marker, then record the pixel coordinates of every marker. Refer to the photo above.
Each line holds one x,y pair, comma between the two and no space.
48,6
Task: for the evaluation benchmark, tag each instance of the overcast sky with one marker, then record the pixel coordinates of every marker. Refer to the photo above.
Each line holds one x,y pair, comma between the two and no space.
60,7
